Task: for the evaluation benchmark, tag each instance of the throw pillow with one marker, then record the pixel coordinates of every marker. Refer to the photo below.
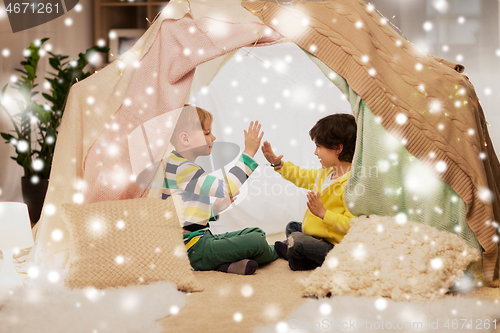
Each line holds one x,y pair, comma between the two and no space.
126,242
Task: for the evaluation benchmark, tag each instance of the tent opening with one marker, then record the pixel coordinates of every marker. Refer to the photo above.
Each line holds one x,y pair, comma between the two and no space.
279,86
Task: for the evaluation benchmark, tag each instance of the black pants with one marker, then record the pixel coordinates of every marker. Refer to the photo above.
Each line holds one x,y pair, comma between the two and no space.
305,252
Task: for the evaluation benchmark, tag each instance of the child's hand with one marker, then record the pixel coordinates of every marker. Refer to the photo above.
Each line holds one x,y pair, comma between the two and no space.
315,204
252,138
220,204
270,155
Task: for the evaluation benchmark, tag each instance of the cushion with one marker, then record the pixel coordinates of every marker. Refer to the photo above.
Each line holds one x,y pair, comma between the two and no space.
392,257
126,242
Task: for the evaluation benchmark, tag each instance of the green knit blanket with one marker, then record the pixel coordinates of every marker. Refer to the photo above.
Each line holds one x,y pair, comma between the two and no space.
387,180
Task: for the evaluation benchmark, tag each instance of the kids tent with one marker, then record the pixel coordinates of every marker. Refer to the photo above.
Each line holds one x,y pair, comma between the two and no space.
423,150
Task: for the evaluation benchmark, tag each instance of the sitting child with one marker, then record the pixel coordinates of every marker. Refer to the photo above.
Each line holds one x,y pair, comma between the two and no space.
327,218
238,252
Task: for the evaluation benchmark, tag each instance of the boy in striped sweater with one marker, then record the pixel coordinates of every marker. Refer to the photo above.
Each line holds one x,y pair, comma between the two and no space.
238,252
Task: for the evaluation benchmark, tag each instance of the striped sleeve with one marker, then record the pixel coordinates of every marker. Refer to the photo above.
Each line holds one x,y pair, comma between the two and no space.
191,178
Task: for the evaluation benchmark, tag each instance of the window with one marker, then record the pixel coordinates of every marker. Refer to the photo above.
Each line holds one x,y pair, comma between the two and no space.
453,21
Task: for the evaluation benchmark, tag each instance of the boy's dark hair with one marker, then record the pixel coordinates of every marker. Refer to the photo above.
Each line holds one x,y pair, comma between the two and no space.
334,130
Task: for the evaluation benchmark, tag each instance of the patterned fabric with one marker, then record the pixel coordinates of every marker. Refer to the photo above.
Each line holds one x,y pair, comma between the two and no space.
126,242
189,182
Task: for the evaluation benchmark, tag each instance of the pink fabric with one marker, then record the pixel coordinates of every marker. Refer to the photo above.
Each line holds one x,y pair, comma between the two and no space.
160,84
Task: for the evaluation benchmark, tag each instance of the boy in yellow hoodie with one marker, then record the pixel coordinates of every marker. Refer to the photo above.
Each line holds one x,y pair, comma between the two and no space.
327,218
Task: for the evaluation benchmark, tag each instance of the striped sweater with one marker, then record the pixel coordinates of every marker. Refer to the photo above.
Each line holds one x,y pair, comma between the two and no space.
188,182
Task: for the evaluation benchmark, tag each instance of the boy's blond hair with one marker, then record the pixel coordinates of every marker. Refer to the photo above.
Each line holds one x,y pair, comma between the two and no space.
190,120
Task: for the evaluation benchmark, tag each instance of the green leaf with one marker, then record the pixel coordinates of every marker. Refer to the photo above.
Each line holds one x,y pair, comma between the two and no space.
7,136
20,70
46,117
4,89
20,106
102,49
55,63
30,70
37,108
49,98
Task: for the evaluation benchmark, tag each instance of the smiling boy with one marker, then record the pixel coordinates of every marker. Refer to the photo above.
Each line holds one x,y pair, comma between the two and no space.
238,252
327,218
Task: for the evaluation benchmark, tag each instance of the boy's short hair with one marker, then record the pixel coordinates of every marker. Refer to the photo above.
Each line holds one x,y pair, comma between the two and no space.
191,117
334,130
202,114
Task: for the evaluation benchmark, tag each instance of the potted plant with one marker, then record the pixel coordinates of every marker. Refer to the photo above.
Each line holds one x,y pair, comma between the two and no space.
36,125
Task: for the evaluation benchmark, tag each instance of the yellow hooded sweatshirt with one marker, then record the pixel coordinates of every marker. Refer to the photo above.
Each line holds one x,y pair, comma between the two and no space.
337,217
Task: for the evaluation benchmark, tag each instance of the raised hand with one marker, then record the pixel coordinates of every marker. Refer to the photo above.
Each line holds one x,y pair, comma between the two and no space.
315,204
252,138
269,154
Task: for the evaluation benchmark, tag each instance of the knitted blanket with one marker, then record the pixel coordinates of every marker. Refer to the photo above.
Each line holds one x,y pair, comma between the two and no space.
419,100
92,162
386,180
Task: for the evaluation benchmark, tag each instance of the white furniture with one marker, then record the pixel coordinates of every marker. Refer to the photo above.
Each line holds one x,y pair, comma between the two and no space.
15,232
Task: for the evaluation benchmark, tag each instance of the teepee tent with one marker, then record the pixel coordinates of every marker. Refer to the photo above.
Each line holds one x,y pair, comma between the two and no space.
423,151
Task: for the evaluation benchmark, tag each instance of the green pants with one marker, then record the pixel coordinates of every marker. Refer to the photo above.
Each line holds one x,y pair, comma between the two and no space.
212,250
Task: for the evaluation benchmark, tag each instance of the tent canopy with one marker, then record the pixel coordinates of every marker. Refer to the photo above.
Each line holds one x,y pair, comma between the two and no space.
390,85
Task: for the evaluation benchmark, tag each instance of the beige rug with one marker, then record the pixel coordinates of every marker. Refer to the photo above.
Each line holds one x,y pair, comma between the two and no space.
235,303
256,301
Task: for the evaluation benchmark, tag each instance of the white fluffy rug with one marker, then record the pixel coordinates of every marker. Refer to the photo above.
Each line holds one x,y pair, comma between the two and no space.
364,314
46,307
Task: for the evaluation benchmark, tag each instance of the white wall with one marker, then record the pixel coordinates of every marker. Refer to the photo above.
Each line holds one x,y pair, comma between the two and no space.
69,40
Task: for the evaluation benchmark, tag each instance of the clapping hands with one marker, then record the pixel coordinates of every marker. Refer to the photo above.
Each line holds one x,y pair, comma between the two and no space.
315,204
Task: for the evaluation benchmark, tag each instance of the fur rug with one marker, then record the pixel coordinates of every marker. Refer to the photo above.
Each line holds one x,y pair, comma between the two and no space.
364,314
43,306
388,257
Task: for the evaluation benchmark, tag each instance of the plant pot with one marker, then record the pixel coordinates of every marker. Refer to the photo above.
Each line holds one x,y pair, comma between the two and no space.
34,196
